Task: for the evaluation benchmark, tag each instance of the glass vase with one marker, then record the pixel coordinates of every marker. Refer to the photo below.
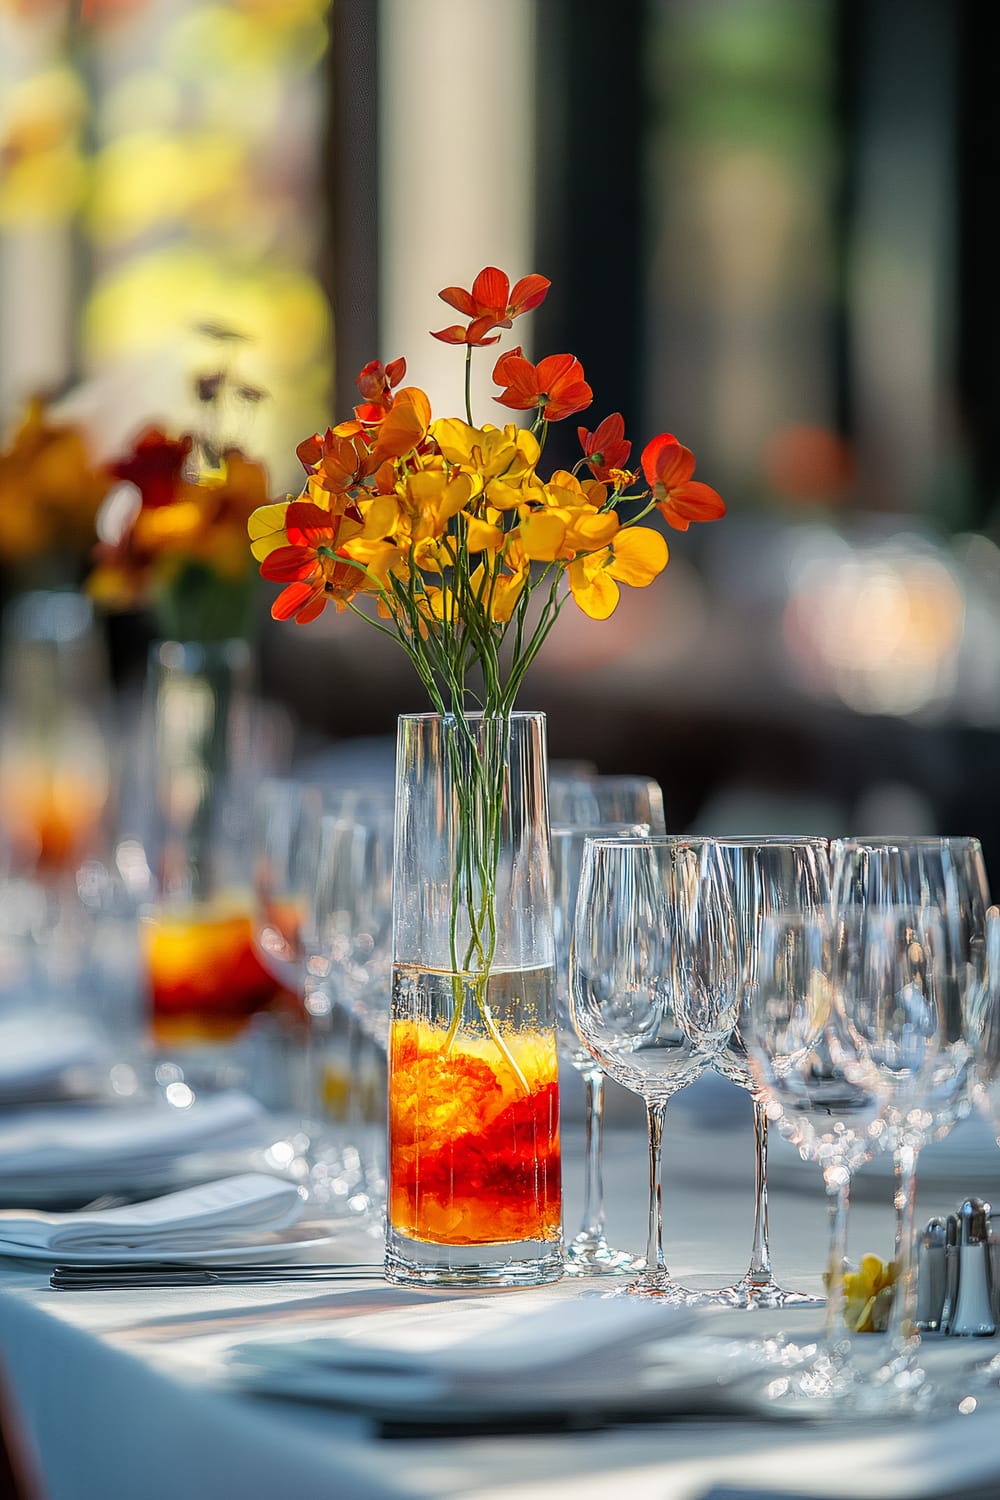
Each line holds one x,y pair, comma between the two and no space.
203,978
474,1194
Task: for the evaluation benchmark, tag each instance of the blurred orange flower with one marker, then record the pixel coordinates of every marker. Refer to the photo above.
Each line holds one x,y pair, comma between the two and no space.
50,490
178,544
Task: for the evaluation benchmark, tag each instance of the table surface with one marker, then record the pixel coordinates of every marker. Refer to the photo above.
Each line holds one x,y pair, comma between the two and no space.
126,1393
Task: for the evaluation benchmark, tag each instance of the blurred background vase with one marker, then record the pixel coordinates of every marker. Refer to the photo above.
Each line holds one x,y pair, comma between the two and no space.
474,1190
56,779
54,751
203,978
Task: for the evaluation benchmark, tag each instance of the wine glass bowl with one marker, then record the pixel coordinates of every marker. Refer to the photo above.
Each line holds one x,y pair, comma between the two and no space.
984,1025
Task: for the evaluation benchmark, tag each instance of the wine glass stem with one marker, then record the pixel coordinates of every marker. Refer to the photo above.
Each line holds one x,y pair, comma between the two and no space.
655,1113
760,1256
838,1189
592,1227
899,1196
902,1320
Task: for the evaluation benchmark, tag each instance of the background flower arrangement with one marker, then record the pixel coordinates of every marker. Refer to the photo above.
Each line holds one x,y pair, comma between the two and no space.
51,488
174,528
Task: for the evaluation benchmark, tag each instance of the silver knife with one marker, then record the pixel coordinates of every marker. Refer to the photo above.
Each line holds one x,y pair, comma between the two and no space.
94,1277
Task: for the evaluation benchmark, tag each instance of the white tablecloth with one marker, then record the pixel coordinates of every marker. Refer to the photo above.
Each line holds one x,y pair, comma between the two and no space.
123,1392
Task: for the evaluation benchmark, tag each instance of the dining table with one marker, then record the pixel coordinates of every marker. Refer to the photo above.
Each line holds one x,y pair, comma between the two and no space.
153,1392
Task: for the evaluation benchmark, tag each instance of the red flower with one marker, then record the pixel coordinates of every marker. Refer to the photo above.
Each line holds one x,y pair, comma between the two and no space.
311,565
668,467
606,448
490,304
555,385
155,466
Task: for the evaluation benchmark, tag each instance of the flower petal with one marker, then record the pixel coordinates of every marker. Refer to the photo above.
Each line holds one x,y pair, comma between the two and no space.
294,599
286,564
596,594
491,290
640,555
266,528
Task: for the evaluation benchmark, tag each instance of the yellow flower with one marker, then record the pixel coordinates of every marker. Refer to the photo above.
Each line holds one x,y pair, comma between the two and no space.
499,592
568,521
429,499
868,1295
637,556
483,533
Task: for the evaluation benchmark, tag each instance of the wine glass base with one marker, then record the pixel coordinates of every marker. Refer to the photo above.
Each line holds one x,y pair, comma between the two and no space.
657,1286
586,1256
749,1292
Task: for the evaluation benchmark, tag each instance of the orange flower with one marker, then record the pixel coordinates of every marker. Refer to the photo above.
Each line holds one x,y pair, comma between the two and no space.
311,564
606,448
404,427
337,464
668,467
490,304
50,489
555,386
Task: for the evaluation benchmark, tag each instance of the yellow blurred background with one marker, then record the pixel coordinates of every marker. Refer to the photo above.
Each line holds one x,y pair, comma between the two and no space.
767,226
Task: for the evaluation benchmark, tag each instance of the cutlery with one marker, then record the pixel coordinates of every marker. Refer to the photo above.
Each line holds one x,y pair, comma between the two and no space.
93,1277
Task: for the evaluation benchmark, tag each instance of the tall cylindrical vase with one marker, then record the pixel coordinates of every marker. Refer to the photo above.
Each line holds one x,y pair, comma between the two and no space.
474,1192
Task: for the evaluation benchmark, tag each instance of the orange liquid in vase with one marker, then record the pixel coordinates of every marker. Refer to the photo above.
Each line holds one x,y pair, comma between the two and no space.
474,1150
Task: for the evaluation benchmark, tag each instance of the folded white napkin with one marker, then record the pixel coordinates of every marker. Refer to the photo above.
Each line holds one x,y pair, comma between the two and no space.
45,1056
79,1138
216,1214
590,1355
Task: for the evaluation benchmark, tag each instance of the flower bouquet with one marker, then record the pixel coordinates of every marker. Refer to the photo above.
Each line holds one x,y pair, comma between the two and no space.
446,535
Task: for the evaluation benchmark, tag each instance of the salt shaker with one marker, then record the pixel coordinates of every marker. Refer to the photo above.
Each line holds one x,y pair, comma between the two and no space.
931,1276
973,1309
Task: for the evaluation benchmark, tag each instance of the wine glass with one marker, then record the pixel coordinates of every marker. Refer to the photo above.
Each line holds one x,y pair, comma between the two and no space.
984,1023
588,800
899,974
589,1252
820,1088
768,876
351,956
284,848
948,874
649,997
